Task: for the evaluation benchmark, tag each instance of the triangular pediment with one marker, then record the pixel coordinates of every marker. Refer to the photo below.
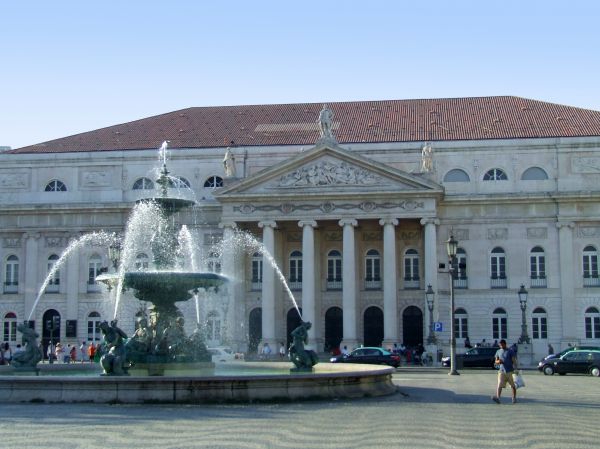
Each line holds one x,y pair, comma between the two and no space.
329,170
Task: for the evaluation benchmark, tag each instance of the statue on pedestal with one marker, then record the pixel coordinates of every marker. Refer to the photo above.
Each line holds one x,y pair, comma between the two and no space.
325,122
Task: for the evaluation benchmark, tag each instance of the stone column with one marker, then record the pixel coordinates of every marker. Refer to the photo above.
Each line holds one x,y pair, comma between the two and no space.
268,287
567,282
349,284
390,301
234,301
31,263
308,280
431,270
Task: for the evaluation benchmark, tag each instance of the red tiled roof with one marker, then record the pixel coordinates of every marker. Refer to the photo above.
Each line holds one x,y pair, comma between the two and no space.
357,121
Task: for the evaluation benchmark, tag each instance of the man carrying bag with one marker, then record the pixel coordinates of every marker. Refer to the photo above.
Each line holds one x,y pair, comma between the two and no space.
505,362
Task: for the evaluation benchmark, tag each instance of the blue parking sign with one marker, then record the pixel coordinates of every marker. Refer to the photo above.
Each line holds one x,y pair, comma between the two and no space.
438,326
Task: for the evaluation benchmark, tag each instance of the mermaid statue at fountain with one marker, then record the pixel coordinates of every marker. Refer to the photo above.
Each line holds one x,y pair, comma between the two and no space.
303,359
31,354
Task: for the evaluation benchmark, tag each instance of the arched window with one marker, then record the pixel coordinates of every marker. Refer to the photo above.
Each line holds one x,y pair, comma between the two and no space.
10,327
142,262
461,323
213,328
94,270
257,271
55,186
372,270
213,182
334,270
213,262
411,269
495,174
590,267
499,324
54,282
295,270
534,174
539,324
498,268
143,184
11,279
93,326
457,175
537,267
179,182
592,323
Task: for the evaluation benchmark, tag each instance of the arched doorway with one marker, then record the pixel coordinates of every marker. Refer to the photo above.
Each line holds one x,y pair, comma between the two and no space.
254,330
293,321
50,329
412,326
334,328
373,326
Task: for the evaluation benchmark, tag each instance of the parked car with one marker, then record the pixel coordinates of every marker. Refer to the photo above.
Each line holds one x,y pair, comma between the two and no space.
223,354
576,361
479,357
545,360
370,355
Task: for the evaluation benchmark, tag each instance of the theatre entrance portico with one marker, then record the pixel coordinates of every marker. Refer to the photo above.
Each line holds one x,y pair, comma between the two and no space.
353,221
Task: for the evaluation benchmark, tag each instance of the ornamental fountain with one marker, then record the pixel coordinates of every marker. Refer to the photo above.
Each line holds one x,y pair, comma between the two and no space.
160,363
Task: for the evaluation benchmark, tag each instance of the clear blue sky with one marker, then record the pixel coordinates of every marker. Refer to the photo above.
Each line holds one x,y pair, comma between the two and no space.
73,66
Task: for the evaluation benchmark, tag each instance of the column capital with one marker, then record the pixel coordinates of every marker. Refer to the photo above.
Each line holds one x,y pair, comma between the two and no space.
430,220
348,221
562,224
311,223
267,224
385,221
228,224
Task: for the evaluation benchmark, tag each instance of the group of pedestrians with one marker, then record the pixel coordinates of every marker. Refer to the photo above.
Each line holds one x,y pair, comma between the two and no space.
71,354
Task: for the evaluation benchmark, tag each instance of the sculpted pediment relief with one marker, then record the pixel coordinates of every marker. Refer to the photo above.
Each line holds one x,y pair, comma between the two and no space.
327,169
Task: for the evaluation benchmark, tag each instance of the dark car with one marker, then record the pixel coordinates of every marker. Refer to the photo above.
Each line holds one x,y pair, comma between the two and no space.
376,356
479,357
576,361
546,359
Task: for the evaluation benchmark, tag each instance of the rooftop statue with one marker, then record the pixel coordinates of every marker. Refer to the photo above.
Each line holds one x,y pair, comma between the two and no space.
325,122
229,164
427,158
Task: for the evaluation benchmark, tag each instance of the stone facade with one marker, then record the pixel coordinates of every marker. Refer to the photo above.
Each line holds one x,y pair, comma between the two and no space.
369,226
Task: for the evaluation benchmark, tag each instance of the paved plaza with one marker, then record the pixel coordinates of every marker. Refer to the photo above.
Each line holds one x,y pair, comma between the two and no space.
431,410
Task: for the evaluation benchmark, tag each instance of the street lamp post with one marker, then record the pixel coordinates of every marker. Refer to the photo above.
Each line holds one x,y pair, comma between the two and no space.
523,304
429,295
451,248
114,254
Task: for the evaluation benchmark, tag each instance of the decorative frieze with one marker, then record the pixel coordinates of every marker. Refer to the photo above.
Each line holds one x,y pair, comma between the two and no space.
408,235
54,242
294,236
328,206
537,233
333,236
585,165
212,238
11,242
588,231
497,233
14,180
461,234
372,236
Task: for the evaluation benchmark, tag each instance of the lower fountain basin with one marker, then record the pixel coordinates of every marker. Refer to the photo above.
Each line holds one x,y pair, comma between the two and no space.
272,382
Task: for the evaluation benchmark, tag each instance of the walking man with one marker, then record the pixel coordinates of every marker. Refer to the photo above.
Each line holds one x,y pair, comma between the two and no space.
506,359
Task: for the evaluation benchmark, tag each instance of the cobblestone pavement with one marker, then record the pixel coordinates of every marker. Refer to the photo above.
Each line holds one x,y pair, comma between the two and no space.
431,410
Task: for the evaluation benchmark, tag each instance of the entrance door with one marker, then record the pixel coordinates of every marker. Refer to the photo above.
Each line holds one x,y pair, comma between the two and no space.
412,325
50,329
293,321
334,328
254,330
373,326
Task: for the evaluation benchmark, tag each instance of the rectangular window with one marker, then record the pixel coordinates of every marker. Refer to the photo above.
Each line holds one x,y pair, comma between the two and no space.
539,328
499,329
592,327
461,329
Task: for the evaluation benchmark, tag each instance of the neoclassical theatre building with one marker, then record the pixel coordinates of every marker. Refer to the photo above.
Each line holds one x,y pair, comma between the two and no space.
354,200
